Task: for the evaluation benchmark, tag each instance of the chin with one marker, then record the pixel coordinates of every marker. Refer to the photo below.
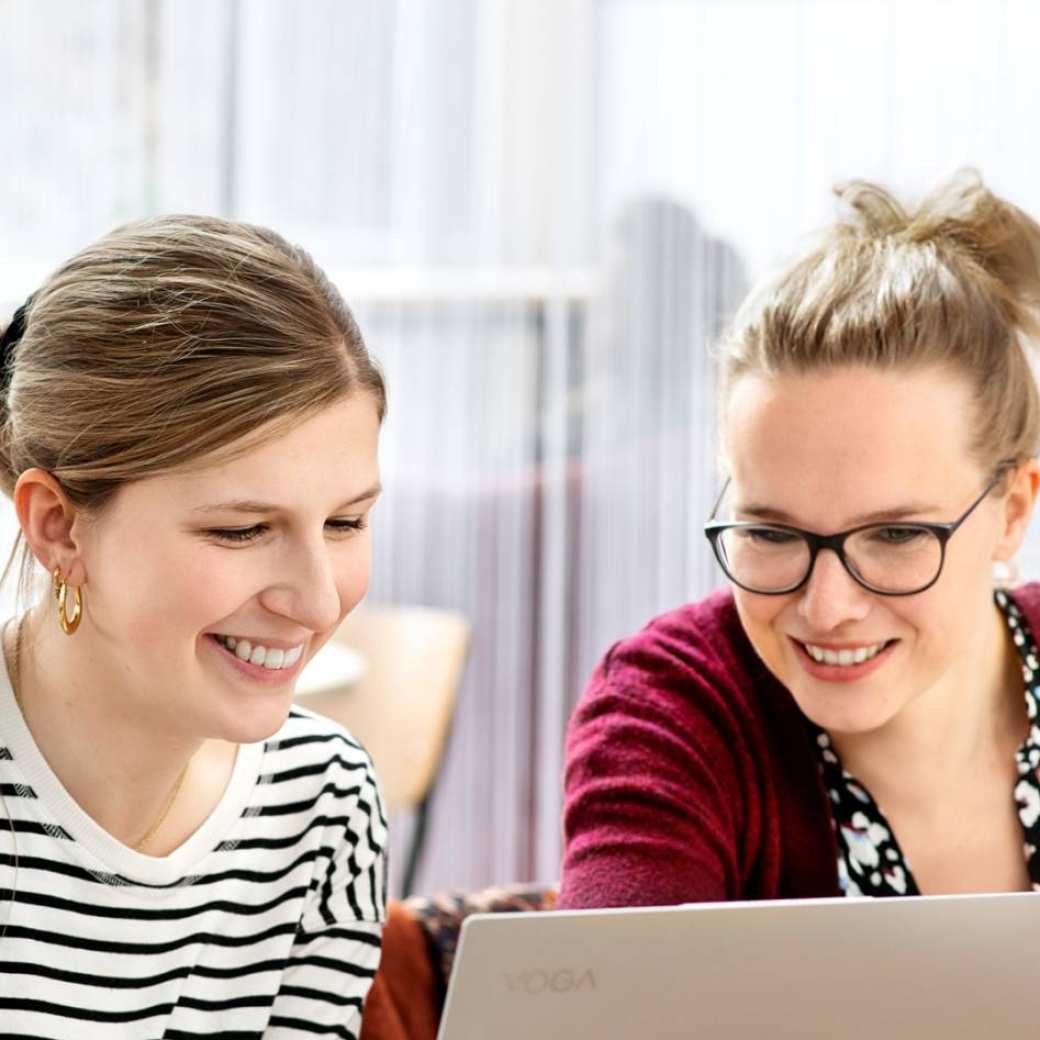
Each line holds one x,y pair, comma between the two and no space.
857,716
258,723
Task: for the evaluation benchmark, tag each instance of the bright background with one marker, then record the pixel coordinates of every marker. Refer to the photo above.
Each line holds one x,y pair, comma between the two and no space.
541,210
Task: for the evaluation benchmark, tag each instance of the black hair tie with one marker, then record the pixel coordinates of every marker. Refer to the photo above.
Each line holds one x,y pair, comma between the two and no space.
12,334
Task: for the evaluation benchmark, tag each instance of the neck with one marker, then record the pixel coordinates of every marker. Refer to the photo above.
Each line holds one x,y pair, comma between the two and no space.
72,701
973,717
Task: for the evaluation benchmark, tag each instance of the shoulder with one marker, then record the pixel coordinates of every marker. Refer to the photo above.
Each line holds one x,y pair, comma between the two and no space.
689,769
695,651
688,686
304,728
312,757
702,634
315,767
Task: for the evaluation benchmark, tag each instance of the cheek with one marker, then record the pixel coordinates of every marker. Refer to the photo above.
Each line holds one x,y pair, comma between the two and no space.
149,591
945,618
962,597
152,593
353,574
762,618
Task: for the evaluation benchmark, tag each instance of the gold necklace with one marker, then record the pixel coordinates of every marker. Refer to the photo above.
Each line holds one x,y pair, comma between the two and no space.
16,682
137,846
16,663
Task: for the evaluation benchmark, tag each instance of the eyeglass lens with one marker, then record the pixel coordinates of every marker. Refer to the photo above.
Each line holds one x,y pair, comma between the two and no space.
891,558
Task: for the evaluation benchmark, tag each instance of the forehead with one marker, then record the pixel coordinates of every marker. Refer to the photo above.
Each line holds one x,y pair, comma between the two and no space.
329,454
851,437
343,434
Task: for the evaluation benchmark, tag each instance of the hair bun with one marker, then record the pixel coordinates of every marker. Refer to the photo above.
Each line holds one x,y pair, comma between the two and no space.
962,216
870,209
953,280
12,334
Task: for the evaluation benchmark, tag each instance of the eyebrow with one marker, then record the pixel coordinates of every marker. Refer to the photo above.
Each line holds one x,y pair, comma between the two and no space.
245,505
905,512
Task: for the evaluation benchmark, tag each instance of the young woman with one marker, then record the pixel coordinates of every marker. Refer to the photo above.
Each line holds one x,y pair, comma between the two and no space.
856,714
189,437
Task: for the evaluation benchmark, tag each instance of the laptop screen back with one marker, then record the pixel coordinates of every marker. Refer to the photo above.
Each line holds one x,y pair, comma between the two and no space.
949,967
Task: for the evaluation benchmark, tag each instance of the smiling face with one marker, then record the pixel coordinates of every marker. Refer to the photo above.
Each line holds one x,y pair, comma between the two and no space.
271,549
827,451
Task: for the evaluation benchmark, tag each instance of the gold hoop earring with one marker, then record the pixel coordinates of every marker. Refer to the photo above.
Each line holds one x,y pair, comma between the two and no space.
61,591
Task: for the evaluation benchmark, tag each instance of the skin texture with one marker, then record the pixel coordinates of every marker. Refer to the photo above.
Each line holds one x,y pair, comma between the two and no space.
141,682
933,729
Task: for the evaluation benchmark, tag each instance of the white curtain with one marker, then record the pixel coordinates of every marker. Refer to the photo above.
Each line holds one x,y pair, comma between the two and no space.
541,210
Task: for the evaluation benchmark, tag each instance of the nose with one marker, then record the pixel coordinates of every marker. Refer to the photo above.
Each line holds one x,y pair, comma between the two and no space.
832,597
306,590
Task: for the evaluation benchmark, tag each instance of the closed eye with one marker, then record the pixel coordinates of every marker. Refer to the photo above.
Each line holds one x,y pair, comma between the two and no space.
896,535
237,534
243,535
347,523
768,535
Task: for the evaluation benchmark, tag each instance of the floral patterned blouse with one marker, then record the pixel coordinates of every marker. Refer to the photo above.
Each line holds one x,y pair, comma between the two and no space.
870,861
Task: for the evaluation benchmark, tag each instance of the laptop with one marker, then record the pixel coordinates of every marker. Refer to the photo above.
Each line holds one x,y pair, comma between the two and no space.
943,967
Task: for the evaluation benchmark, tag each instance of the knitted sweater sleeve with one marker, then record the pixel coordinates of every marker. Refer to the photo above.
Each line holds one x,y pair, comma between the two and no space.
661,803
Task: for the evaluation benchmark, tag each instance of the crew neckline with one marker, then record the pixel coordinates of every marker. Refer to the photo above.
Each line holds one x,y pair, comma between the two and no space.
115,858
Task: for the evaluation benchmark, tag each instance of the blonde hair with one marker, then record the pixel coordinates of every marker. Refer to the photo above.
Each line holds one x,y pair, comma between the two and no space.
954,281
167,340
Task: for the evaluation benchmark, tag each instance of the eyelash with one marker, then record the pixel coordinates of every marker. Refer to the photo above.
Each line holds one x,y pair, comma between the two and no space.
241,535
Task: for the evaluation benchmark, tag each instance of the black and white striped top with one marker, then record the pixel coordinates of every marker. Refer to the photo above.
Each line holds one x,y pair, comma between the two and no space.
265,923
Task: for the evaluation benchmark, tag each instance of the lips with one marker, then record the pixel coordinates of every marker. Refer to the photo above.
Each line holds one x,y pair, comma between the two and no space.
267,671
844,656
843,663
256,653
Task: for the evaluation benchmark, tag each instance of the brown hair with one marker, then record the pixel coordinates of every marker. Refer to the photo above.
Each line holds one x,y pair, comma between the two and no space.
169,339
954,281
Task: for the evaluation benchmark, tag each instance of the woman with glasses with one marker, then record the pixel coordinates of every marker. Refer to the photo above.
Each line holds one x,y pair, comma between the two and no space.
854,714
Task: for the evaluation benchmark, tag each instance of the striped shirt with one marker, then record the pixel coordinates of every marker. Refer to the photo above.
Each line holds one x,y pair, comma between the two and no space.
266,922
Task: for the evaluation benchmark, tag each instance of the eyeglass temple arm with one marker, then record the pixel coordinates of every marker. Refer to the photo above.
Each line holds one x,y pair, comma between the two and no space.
1002,471
718,501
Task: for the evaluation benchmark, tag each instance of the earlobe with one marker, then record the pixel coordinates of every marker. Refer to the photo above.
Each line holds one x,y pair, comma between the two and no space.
48,520
1018,508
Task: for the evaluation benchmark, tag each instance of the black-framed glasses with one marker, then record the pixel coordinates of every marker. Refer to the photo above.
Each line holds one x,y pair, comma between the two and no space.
893,559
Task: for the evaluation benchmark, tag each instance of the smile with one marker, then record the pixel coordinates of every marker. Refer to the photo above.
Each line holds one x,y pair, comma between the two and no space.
843,658
271,658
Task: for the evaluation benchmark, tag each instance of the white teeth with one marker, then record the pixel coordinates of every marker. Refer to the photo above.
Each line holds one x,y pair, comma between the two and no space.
843,658
255,653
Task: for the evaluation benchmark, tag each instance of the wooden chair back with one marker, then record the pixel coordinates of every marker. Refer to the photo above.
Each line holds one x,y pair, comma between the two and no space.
402,705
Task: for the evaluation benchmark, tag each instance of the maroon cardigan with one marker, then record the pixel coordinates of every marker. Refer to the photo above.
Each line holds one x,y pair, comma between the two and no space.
691,773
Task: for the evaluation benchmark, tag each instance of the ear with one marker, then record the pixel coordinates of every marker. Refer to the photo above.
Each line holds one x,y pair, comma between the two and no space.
1017,507
51,524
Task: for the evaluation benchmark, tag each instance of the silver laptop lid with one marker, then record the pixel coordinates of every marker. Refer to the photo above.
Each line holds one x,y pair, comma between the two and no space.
949,967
